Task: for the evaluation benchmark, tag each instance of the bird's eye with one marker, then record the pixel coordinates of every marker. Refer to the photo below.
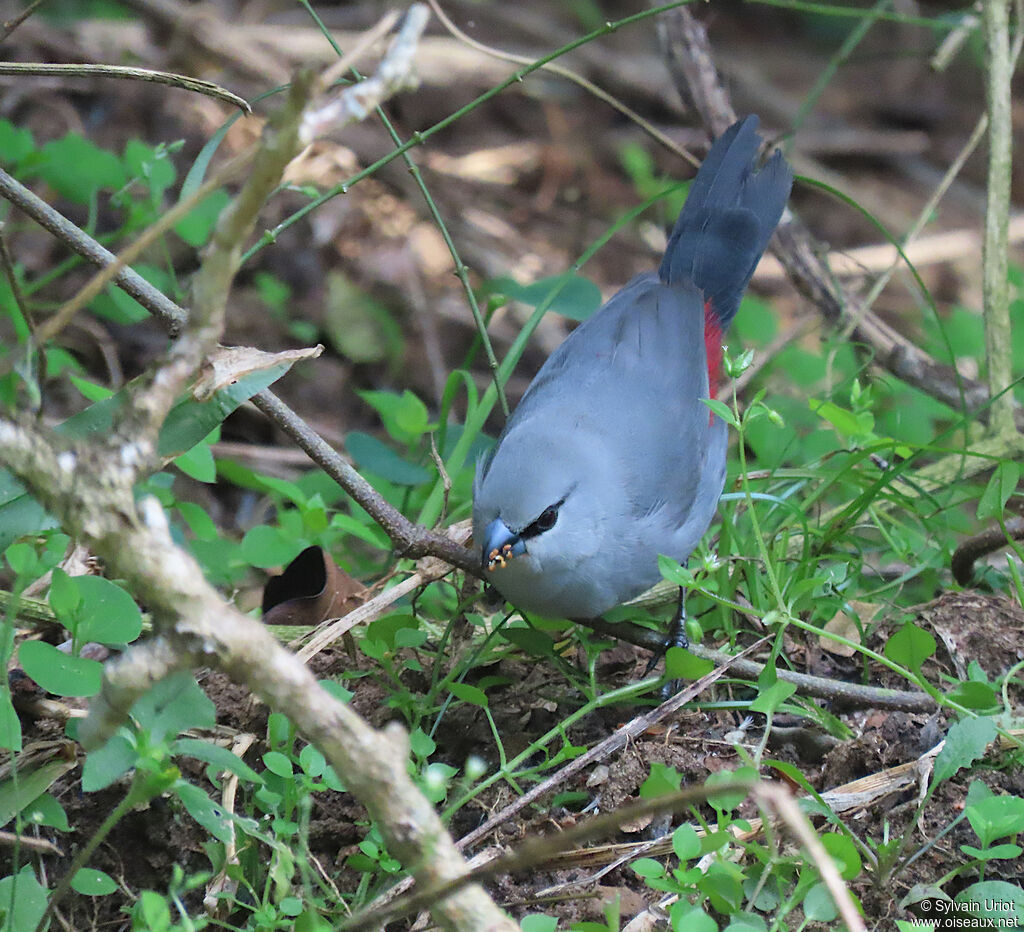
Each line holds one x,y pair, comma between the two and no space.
545,522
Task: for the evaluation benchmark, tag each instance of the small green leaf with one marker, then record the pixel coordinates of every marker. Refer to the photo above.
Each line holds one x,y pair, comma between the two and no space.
576,297
219,757
844,853
910,646
26,899
405,417
278,764
195,228
965,743
60,673
681,664
647,868
46,810
198,463
661,781
998,491
77,168
819,905
265,546
210,815
974,695
108,763
107,614
172,706
722,410
768,700
377,457
686,843
469,694
996,817
91,882
64,597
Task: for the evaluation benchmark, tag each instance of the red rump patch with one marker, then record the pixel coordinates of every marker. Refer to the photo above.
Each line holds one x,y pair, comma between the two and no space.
712,348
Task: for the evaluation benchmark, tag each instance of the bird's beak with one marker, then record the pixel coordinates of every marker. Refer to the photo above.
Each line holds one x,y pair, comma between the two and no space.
500,545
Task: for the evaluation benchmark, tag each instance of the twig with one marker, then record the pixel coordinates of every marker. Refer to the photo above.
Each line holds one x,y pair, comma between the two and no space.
196,85
980,545
995,15
9,25
106,274
170,314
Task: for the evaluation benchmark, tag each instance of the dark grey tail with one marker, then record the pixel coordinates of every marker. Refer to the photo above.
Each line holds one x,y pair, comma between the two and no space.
728,218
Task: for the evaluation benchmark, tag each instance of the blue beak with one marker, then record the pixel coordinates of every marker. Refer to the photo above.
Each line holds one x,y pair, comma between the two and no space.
500,545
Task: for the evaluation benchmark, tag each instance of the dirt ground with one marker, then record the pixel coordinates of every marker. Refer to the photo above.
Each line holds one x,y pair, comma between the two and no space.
525,182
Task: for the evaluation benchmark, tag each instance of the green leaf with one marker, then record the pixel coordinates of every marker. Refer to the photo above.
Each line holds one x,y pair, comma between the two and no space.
819,905
577,297
191,421
680,664
722,410
210,815
686,843
768,700
844,853
530,640
405,417
107,614
198,463
998,491
965,743
219,757
64,597
172,706
195,228
996,817
17,795
377,457
151,913
647,868
60,673
108,763
910,646
974,695
265,546
469,694
661,781
91,882
46,810
77,168
15,144
26,898
538,922
996,900
278,764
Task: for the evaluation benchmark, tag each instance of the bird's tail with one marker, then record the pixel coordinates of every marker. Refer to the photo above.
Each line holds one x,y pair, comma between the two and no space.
728,218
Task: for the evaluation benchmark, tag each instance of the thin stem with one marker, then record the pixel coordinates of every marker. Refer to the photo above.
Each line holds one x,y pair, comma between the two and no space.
998,345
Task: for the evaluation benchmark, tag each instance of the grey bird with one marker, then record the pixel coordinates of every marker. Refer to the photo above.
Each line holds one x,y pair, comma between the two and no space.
612,458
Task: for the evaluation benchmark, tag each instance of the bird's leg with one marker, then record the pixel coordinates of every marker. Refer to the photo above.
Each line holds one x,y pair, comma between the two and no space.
676,635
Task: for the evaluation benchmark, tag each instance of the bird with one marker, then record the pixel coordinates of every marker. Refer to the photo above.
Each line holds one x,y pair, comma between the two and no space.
612,458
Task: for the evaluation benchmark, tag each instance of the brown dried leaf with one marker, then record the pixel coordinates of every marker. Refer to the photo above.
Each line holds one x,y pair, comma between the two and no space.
311,589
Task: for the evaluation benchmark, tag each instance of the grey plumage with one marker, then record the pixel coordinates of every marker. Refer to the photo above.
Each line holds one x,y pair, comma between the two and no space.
611,458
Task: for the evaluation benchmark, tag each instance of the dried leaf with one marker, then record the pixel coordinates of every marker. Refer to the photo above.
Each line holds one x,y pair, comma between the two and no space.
312,588
227,364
